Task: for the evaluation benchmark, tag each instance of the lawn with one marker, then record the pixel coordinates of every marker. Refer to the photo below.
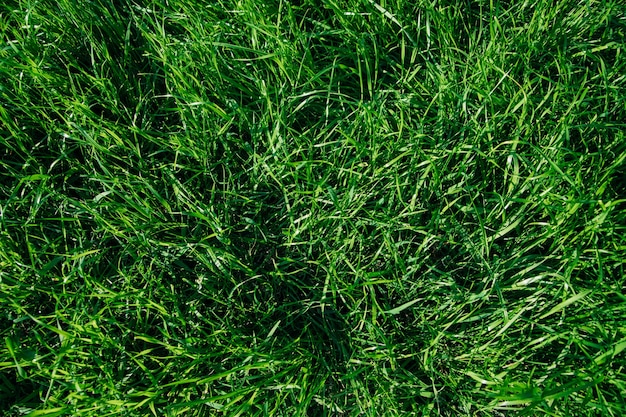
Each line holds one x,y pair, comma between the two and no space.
312,208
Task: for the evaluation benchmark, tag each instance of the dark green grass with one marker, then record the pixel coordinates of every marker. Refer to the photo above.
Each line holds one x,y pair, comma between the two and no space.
312,208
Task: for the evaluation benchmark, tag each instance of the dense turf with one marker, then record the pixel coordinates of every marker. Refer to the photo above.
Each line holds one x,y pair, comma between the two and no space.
312,208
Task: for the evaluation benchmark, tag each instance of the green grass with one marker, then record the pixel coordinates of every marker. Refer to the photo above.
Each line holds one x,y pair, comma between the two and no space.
312,208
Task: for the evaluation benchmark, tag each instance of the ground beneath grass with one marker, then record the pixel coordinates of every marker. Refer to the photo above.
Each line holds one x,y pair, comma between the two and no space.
312,208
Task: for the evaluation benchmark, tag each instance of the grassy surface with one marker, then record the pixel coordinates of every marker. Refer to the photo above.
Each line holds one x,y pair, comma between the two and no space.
312,208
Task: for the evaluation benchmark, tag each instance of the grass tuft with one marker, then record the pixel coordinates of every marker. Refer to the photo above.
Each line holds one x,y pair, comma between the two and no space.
312,208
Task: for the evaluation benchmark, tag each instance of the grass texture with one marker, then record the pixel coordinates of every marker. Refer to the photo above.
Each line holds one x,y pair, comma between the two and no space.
312,208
